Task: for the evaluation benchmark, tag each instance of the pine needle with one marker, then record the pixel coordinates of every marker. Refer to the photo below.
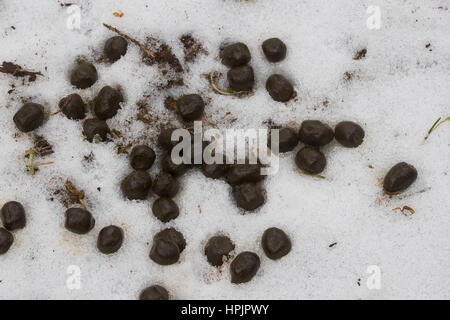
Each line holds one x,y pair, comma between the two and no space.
436,125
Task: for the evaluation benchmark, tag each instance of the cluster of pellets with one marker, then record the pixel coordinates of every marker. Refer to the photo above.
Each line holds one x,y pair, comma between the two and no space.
244,179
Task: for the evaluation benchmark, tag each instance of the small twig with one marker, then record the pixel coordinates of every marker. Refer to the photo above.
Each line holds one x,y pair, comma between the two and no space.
311,175
223,92
402,210
140,45
83,204
124,149
17,71
34,165
436,125
66,102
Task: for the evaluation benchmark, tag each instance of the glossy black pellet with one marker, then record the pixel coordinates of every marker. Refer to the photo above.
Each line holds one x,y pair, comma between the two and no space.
6,240
93,127
142,157
167,246
73,107
279,88
79,221
274,49
136,185
110,239
244,267
154,292
315,133
190,107
349,134
235,55
248,196
399,177
287,140
13,216
176,170
107,103
310,160
165,209
241,78
165,185
217,249
115,48
240,173
275,243
29,117
83,75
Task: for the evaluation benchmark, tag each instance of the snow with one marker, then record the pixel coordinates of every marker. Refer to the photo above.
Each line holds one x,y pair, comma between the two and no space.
399,89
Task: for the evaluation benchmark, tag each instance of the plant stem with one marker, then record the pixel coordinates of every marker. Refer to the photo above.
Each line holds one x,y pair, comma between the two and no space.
223,92
31,153
436,125
83,204
34,165
311,175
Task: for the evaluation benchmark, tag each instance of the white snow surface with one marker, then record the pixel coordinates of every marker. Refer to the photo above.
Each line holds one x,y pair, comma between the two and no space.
399,89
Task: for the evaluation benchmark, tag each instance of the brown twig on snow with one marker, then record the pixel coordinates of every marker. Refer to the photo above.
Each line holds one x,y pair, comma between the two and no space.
17,71
66,102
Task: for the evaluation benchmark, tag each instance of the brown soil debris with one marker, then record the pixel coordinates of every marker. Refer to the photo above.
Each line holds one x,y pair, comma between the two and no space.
192,47
163,56
42,146
171,104
19,72
361,54
69,195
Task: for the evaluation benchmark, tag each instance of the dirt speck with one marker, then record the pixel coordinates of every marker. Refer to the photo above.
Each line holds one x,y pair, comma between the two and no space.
191,47
361,54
